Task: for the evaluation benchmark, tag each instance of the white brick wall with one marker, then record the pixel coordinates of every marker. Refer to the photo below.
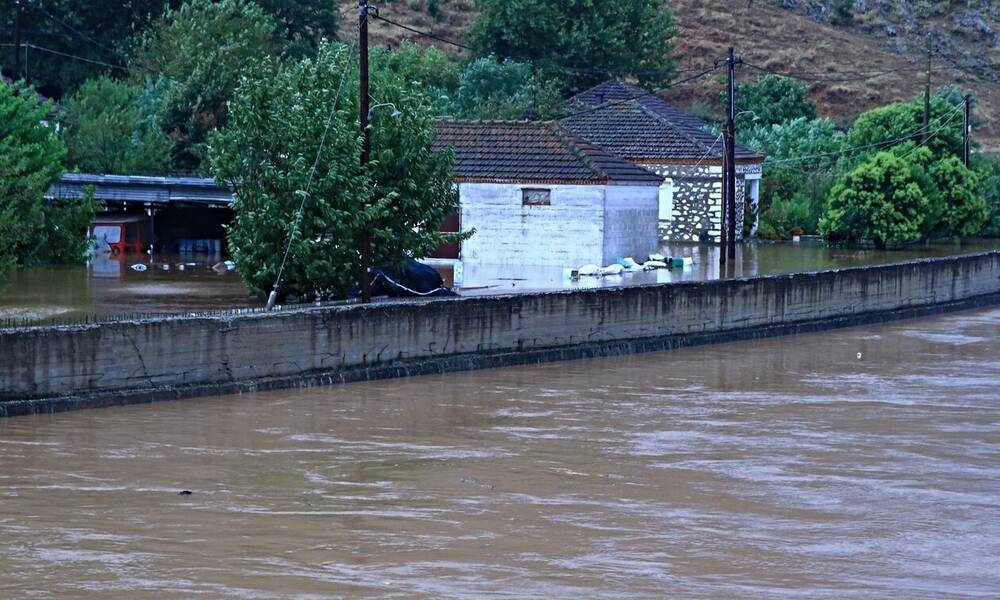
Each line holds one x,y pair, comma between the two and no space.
631,215
574,230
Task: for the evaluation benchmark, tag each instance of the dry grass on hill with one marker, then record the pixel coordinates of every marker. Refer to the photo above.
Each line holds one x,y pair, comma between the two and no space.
766,36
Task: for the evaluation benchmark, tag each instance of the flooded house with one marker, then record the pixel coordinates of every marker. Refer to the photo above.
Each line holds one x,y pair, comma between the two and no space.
638,126
536,194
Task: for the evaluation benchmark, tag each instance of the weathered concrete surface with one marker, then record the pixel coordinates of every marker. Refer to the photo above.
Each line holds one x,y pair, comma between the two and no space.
60,368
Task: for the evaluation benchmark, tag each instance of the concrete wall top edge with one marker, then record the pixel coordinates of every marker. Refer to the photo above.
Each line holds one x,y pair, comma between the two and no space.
232,317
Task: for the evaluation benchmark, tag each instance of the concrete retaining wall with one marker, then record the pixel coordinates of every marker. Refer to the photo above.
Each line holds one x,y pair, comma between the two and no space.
59,368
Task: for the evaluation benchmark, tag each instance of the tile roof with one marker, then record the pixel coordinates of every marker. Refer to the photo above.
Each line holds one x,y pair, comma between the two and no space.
532,152
637,124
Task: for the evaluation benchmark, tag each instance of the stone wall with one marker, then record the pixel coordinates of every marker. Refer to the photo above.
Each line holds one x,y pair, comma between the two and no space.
697,209
60,368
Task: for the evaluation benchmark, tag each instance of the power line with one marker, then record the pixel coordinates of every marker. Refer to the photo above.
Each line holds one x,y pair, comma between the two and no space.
70,56
36,4
883,143
443,40
424,33
805,76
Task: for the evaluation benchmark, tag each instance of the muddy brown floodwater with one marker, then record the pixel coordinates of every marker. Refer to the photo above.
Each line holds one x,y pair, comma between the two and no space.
861,463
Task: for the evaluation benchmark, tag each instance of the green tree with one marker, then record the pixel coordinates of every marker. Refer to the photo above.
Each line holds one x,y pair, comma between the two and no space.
802,156
282,117
107,130
988,174
96,30
490,89
30,162
198,52
771,100
582,42
64,233
963,208
902,123
304,21
436,71
884,200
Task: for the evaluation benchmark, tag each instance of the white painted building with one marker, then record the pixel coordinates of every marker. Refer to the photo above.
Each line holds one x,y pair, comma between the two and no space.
537,195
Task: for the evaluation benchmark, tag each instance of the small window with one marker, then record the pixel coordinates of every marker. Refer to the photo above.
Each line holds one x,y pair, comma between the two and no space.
536,197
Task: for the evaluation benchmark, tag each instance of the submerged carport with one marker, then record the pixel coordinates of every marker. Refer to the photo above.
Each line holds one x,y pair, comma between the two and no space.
178,207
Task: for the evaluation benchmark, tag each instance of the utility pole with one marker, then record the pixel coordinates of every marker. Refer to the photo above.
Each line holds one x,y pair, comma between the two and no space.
366,147
927,92
967,131
730,158
17,40
725,202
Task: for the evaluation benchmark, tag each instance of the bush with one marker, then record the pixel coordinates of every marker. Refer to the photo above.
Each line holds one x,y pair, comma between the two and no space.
883,200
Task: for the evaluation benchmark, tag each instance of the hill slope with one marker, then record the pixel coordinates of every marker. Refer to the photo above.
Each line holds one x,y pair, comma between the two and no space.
874,58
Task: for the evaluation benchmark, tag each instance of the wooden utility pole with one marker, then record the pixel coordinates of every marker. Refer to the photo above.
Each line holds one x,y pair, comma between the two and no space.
730,157
725,202
967,131
366,147
17,40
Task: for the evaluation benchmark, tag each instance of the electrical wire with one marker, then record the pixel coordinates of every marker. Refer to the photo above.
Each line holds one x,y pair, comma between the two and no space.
312,172
444,40
805,76
426,34
70,56
885,143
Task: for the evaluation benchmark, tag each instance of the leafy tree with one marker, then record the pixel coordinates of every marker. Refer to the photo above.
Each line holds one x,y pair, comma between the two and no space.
107,130
802,156
64,232
30,161
582,42
288,119
899,123
96,30
884,200
963,208
304,21
433,69
988,174
771,100
492,89
199,51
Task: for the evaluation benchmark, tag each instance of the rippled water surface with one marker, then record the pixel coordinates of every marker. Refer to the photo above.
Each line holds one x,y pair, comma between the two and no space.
785,468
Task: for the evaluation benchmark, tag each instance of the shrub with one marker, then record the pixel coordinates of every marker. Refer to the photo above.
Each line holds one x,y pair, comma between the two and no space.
881,200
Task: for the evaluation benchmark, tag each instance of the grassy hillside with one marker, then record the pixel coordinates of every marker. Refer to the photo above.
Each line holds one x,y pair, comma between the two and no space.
854,64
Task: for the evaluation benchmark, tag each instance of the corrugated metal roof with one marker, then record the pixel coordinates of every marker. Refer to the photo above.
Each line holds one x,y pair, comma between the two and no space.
143,189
